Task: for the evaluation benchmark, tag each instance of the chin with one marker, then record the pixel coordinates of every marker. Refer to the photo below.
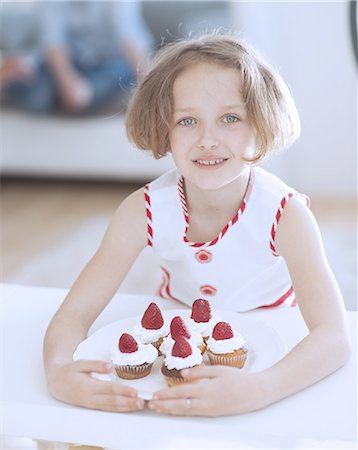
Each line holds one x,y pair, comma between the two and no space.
212,183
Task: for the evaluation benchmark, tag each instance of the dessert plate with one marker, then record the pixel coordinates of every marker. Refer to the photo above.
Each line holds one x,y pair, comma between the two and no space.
264,342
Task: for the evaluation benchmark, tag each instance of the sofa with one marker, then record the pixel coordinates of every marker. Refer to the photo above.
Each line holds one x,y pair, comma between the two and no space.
90,147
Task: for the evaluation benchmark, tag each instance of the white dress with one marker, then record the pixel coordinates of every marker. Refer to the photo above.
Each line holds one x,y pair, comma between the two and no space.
239,270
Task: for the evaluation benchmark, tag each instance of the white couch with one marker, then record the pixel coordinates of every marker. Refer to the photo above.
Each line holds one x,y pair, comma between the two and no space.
91,147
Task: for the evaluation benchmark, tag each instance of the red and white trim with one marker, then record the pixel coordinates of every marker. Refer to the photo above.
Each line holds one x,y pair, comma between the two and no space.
283,203
149,215
275,224
164,289
288,297
227,226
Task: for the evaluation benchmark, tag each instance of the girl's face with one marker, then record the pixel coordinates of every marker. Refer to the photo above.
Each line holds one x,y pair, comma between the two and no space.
210,133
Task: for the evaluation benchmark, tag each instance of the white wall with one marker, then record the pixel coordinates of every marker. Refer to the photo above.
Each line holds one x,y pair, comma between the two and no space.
310,45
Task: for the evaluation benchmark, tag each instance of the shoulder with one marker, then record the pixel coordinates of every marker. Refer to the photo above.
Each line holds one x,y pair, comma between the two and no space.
298,234
162,194
271,193
132,209
128,222
167,180
269,198
270,184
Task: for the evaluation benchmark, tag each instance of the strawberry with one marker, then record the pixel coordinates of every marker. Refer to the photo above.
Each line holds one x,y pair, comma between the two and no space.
127,343
181,348
222,331
178,328
201,310
152,318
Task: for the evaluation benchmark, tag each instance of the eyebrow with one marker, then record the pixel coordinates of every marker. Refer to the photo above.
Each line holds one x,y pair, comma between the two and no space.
235,106
224,107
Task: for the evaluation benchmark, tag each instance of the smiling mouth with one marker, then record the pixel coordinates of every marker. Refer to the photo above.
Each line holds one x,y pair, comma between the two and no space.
210,162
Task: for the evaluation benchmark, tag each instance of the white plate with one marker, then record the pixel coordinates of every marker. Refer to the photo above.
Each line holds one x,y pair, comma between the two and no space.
265,344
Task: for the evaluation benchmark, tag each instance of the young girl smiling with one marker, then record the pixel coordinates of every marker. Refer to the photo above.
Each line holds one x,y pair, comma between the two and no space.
223,228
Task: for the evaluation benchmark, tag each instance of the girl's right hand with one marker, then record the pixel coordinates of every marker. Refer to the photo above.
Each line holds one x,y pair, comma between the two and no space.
73,383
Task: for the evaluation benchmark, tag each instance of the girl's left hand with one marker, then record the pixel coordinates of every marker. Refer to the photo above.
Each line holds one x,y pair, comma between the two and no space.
216,391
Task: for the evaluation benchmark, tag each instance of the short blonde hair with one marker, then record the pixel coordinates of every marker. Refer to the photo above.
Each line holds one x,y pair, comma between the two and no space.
270,107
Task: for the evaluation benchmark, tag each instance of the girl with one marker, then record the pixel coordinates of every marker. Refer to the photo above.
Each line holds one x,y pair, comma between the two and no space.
224,229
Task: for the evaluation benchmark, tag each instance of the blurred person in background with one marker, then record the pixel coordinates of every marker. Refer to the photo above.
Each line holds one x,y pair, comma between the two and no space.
91,52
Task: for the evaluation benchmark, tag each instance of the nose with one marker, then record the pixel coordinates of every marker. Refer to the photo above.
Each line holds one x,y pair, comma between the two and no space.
207,139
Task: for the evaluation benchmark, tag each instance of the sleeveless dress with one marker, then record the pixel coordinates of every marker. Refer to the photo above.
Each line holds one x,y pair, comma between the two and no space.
240,269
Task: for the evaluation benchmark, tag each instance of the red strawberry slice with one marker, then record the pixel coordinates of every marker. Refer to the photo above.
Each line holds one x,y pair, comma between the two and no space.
178,328
152,318
201,310
222,331
181,348
127,343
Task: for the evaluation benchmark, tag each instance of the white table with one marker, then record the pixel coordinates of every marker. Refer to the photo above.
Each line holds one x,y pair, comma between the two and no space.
322,416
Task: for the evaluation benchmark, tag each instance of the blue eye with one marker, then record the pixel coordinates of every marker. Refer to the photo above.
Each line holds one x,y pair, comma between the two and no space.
187,122
230,118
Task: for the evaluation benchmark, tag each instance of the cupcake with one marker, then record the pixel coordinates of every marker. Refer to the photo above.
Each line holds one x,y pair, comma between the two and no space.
152,328
182,356
132,360
225,347
179,328
202,320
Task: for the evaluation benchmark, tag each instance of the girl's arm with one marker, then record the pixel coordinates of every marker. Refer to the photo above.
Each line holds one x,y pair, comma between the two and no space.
71,381
324,350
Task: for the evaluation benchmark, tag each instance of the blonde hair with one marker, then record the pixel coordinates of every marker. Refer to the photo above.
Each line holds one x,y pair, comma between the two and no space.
270,107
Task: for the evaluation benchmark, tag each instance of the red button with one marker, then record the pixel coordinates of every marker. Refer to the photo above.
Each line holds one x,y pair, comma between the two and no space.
203,256
208,290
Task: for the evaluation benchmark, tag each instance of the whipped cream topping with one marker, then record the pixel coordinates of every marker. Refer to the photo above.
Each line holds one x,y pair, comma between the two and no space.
204,328
174,362
226,345
168,343
147,336
146,353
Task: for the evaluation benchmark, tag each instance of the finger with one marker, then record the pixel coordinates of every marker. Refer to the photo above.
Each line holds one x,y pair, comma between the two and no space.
116,403
85,365
187,390
202,372
114,388
179,407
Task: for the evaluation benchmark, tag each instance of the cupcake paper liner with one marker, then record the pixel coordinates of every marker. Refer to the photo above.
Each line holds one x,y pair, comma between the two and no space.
202,347
157,344
134,372
236,359
174,381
